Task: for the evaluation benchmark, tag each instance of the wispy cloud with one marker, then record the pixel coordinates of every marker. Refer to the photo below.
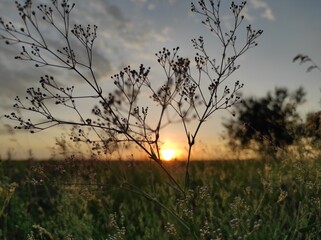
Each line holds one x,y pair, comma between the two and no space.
151,7
254,6
117,37
172,1
151,4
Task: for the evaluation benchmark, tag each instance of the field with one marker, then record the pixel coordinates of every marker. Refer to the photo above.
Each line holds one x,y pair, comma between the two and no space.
134,200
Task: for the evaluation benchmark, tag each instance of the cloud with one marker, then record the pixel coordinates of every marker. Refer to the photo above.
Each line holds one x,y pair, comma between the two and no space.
267,10
15,78
117,35
172,1
259,5
151,7
151,4
140,3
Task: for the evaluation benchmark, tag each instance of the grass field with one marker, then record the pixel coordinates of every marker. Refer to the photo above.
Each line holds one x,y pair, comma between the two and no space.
133,200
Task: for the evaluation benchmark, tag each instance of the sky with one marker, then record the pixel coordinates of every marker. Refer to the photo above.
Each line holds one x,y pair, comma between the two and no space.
130,32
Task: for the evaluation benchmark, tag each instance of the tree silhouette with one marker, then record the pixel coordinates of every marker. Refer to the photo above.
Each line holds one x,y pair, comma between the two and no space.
268,123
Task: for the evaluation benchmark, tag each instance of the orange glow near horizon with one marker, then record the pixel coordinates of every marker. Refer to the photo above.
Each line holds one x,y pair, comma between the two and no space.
168,154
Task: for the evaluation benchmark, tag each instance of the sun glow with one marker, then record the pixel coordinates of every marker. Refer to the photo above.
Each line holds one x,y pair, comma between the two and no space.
168,154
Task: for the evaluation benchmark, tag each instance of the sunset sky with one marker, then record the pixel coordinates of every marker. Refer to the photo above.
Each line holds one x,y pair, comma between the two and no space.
130,32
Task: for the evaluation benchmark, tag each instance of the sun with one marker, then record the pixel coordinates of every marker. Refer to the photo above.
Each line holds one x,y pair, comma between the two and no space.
168,154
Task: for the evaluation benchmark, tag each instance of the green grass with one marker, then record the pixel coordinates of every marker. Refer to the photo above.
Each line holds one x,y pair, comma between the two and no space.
128,200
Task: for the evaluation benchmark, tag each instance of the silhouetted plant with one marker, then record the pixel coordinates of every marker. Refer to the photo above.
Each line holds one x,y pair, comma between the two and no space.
268,123
118,117
306,59
313,120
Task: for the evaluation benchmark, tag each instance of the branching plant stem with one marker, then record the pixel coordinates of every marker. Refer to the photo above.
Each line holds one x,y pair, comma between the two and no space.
119,118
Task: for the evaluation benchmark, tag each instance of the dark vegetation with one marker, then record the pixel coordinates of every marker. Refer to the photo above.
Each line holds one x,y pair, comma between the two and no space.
98,200
268,124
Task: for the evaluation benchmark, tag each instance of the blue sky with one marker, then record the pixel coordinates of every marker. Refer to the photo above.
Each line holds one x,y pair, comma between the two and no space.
130,32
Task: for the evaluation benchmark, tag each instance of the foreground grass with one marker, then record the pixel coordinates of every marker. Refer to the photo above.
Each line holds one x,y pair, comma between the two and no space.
128,200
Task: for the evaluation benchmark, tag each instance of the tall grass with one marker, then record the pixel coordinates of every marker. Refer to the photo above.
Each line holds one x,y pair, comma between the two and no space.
227,200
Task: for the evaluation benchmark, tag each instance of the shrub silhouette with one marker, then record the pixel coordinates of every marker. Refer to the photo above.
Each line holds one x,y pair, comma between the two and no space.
192,89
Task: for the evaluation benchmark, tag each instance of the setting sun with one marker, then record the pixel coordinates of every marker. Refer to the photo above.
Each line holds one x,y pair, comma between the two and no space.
168,154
